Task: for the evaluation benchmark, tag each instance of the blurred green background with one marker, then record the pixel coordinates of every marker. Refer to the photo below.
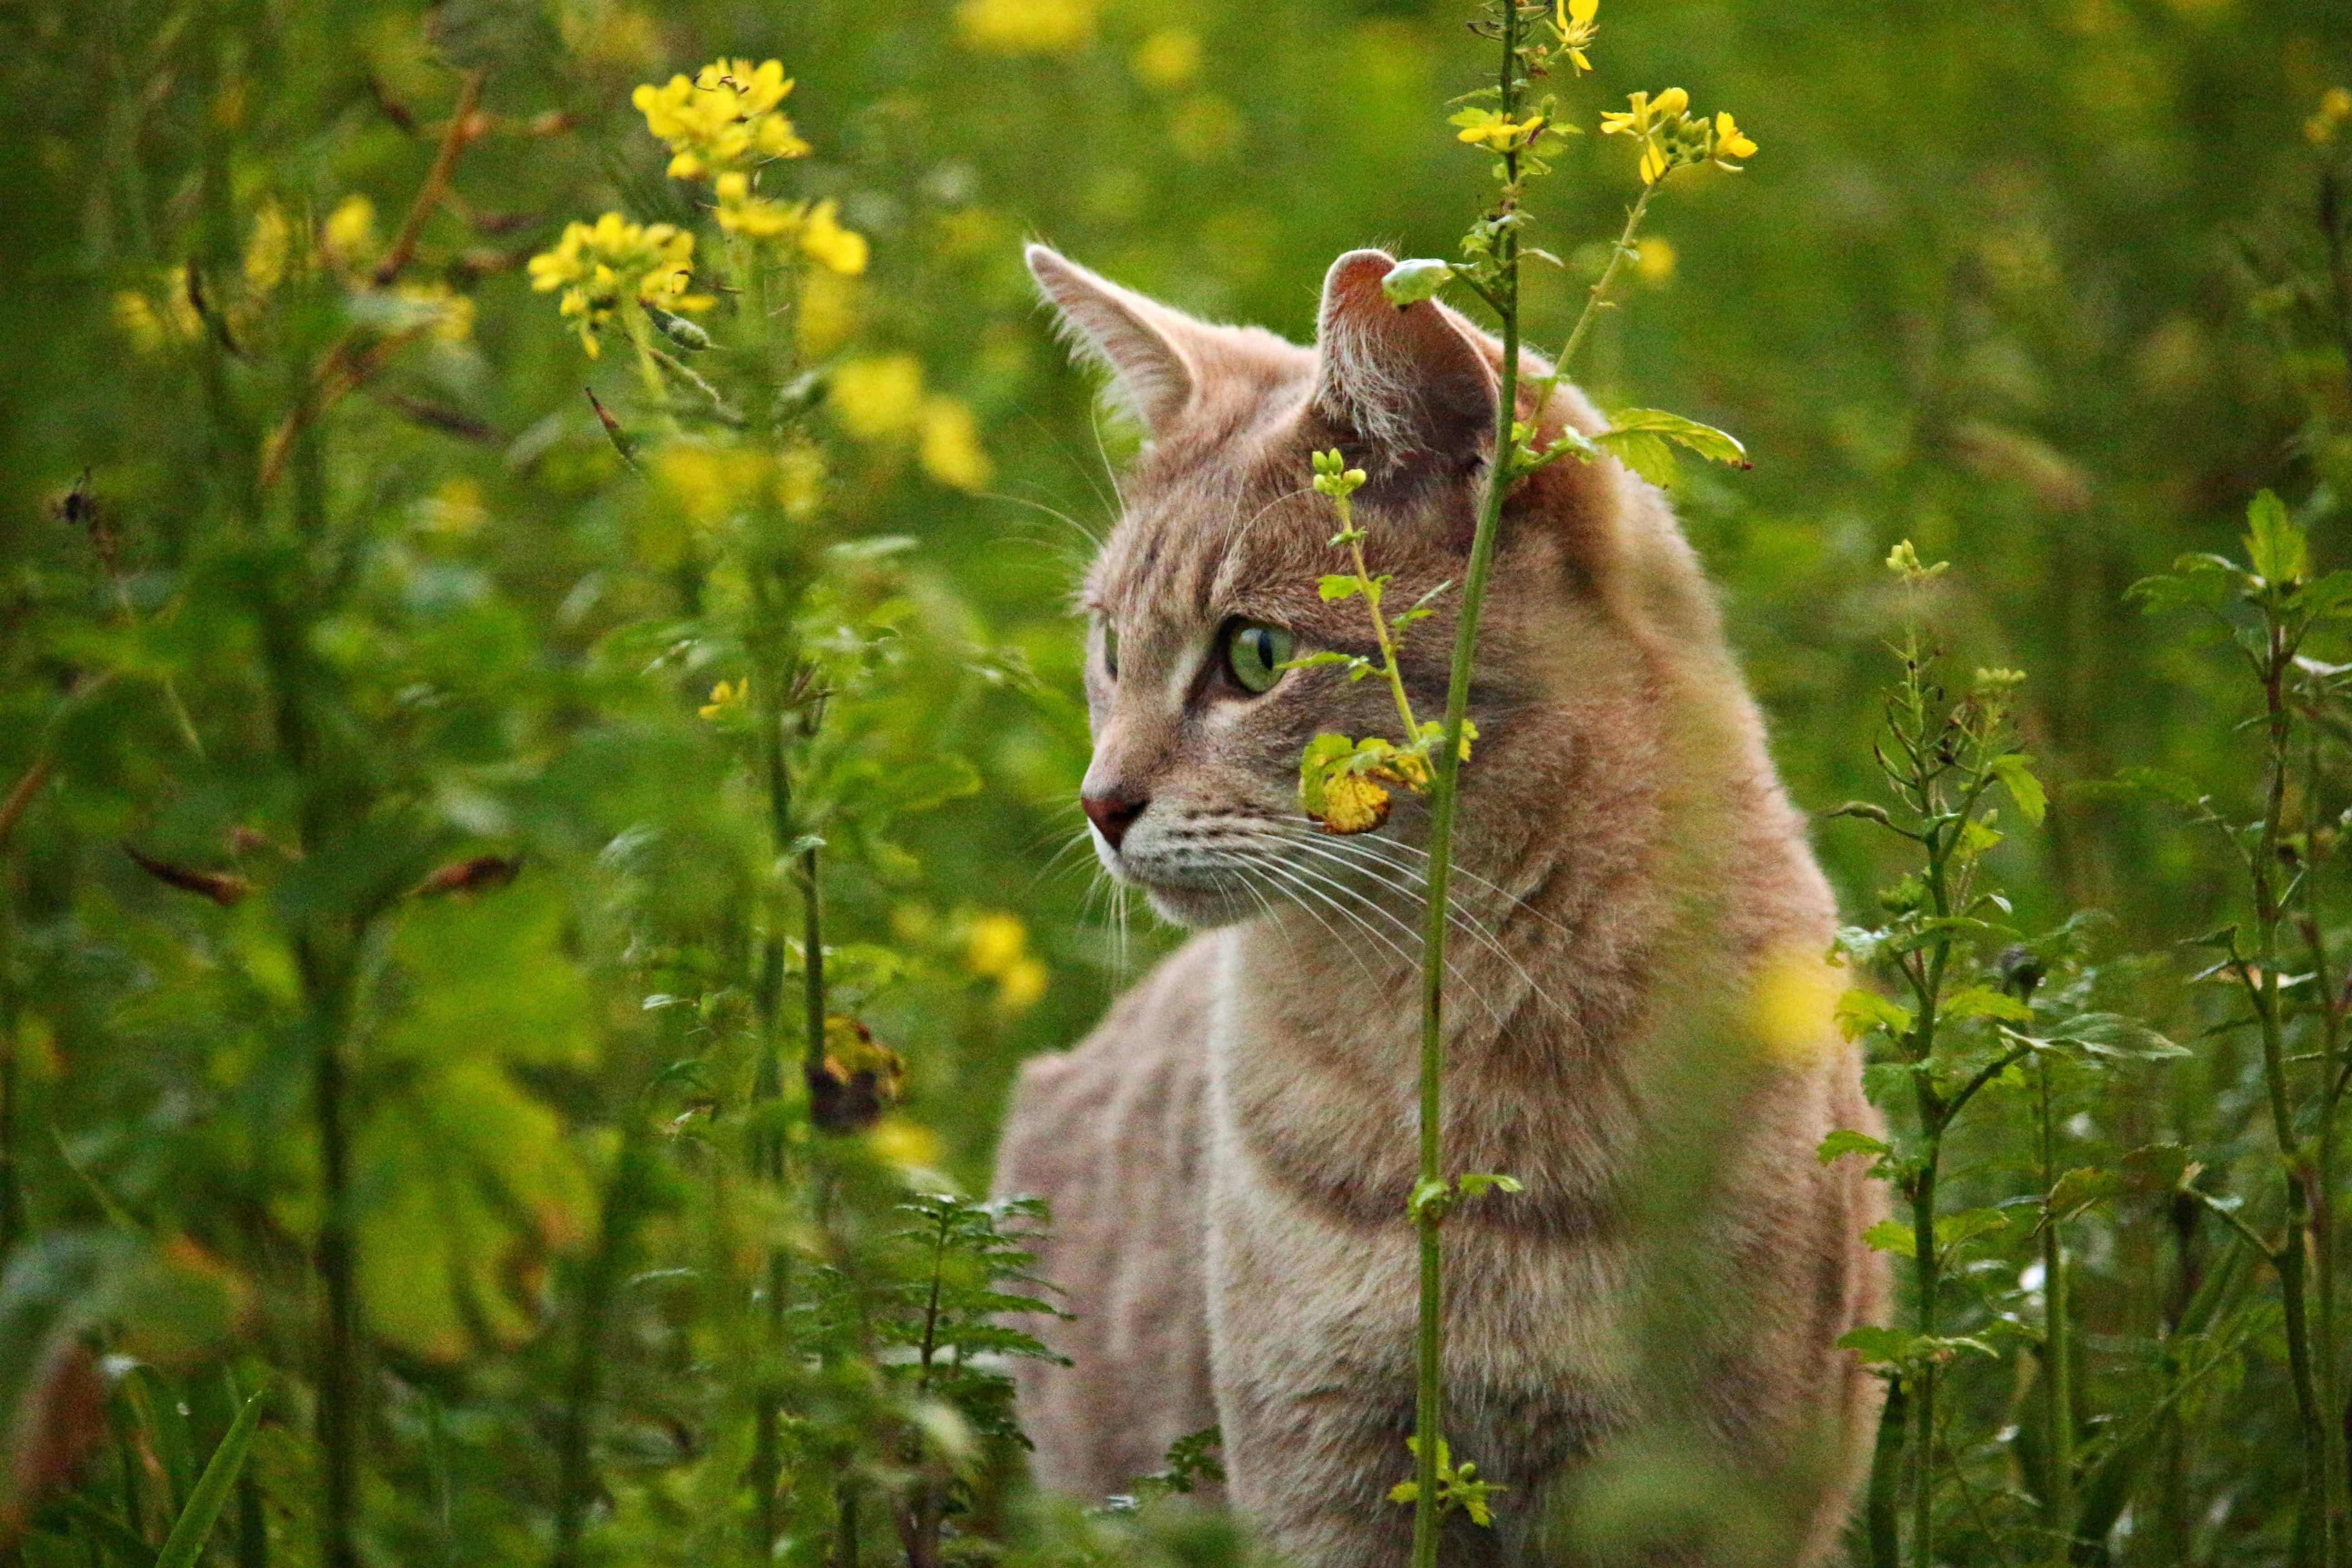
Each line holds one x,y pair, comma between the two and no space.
2038,285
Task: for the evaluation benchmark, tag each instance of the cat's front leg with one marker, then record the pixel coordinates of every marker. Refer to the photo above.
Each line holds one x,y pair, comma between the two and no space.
1311,1322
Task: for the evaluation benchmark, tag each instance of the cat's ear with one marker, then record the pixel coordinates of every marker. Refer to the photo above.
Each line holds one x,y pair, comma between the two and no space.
1411,380
1142,342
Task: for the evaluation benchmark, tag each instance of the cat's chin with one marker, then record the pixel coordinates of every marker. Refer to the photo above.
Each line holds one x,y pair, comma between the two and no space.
1201,908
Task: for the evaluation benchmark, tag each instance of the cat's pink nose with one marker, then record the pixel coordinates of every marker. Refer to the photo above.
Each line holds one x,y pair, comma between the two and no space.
1111,815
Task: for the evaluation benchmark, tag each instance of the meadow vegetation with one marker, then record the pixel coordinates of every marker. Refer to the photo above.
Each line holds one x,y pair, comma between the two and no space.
539,722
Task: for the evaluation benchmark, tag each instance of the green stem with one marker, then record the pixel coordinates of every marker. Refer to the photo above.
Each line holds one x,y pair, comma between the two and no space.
1882,1503
577,1476
2058,1395
327,984
1595,301
1429,1416
2317,1535
1926,1269
1379,625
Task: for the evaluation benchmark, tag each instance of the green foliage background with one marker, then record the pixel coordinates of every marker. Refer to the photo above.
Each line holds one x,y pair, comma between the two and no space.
2036,285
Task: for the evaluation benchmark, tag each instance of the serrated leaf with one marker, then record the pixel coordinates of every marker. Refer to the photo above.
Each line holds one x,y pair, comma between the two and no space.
2275,548
1964,1225
1890,1235
1879,1346
1716,446
1844,1141
1983,1002
1337,586
1648,454
2080,1188
1860,1011
2016,774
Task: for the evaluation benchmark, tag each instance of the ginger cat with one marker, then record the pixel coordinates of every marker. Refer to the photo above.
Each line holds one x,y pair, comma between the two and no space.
1641,1345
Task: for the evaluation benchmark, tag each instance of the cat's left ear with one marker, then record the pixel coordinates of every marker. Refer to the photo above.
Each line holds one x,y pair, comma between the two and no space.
1411,380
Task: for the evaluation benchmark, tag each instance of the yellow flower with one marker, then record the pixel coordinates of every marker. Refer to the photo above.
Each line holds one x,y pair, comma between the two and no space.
996,947
756,217
1352,804
598,265
994,943
2334,109
950,452
725,119
1729,142
829,244
1170,58
266,251
1653,262
348,233
1026,26
726,696
1496,130
1572,20
879,397
150,329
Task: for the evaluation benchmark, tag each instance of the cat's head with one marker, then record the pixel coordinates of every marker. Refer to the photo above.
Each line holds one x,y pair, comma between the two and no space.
1209,582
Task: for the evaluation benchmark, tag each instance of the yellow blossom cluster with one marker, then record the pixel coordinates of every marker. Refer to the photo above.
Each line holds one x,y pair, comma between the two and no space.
1573,21
996,947
1672,139
724,120
818,228
1026,26
597,265
2335,109
882,399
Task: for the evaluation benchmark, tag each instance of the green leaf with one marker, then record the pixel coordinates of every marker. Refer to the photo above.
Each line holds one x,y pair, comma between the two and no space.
1891,1235
1983,1002
1410,282
1480,1181
1648,454
186,1542
1317,765
2016,775
1844,1141
1716,446
1860,1011
1880,1346
2275,547
2115,1037
2080,1188
1964,1225
1337,586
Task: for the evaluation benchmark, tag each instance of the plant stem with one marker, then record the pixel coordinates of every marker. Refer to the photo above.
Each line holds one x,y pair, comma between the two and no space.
1595,299
1429,1416
1379,625
1880,1507
577,1482
326,967
2058,1394
2315,1537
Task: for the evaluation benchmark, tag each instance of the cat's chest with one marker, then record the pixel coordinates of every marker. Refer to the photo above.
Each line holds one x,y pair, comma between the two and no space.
1317,1083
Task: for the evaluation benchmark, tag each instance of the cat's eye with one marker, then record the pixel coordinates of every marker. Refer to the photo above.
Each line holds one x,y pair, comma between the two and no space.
1110,649
1255,654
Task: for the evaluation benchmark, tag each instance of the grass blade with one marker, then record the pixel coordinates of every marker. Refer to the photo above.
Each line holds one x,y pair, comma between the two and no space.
186,1542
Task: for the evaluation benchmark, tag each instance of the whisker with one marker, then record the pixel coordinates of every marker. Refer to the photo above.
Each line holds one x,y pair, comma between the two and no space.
1310,876
1271,869
1329,849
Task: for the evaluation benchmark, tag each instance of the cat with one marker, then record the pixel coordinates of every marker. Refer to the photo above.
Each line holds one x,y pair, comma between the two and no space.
1641,1344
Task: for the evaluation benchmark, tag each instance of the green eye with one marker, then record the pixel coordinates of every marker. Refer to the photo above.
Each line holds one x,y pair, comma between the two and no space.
1255,654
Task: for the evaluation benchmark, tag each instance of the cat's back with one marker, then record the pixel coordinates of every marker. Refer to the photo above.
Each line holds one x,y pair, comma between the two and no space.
1110,1134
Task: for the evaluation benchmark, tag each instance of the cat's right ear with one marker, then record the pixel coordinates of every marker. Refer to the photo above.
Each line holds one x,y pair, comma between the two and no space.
1408,379
1140,342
